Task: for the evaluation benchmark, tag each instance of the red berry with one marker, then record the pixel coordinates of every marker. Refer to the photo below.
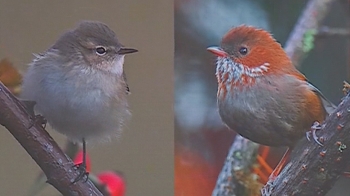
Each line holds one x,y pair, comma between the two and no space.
114,182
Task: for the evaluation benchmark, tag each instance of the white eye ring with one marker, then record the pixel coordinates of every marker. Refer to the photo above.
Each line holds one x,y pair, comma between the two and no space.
100,50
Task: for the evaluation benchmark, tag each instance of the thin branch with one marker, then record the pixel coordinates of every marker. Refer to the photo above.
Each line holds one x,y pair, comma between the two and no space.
311,18
58,167
332,32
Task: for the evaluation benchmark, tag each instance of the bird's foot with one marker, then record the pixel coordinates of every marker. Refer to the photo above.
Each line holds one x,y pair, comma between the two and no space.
272,178
38,119
81,167
269,186
346,87
315,127
29,106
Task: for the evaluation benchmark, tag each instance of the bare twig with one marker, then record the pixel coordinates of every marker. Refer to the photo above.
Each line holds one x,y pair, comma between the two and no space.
332,32
58,168
314,12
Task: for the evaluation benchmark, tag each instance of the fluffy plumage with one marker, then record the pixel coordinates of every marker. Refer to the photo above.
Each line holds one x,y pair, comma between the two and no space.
261,95
81,93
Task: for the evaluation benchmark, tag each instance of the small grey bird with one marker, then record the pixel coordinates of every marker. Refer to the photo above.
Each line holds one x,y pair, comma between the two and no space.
79,85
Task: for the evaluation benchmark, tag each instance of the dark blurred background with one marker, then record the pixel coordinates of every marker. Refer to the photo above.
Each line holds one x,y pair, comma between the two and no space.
144,152
201,140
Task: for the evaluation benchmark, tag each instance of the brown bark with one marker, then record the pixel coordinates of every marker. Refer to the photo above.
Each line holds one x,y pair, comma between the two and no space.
314,169
58,167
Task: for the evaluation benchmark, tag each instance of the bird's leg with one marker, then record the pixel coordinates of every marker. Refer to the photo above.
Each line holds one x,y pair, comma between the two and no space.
280,165
29,106
315,127
38,119
82,166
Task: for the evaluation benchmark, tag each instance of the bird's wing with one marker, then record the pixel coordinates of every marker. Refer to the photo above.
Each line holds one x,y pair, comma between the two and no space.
328,105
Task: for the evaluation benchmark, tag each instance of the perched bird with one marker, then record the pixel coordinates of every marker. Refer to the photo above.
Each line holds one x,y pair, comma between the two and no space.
261,95
79,85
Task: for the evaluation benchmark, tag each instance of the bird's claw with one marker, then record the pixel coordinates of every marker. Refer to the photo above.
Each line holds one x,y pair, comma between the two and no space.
29,106
346,87
82,173
315,127
38,119
269,186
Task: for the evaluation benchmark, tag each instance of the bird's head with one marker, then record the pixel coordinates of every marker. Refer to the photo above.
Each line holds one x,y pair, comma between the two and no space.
247,51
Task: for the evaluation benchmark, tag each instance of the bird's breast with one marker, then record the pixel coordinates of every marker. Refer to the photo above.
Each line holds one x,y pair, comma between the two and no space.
264,112
83,103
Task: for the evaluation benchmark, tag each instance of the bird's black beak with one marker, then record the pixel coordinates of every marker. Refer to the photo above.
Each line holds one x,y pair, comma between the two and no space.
123,51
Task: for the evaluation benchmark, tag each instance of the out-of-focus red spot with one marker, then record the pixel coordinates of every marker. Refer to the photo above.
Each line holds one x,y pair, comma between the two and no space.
115,183
194,176
78,159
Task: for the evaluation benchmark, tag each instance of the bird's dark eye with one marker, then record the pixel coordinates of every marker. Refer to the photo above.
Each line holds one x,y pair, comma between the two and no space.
243,50
100,50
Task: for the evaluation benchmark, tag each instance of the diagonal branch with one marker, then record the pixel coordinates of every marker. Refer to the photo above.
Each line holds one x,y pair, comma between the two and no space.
58,167
314,169
239,160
